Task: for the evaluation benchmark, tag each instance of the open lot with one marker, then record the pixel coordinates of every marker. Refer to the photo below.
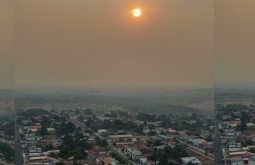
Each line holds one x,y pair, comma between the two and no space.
204,160
249,132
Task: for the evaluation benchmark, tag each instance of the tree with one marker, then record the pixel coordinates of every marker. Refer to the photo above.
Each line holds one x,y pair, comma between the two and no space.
70,127
152,133
59,163
206,155
145,123
48,147
98,140
52,154
7,151
149,144
78,156
151,126
104,143
157,142
194,116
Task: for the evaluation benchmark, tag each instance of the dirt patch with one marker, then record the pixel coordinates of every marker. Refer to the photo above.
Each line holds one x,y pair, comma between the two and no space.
51,137
204,160
249,132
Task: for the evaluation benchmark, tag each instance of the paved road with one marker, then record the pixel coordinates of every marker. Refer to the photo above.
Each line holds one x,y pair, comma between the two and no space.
218,152
18,147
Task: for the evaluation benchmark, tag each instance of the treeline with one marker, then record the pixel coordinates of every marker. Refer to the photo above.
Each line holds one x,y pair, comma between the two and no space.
120,125
232,107
33,112
116,114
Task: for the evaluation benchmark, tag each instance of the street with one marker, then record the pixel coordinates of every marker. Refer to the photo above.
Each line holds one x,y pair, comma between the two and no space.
218,152
18,147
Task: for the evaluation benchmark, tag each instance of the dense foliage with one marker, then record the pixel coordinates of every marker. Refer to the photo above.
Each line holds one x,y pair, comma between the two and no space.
73,146
7,151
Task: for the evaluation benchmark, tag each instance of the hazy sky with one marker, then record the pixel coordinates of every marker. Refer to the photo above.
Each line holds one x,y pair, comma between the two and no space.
99,43
235,41
6,43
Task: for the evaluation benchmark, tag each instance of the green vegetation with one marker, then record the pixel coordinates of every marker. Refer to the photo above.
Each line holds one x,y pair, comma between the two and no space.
174,153
67,128
119,158
7,151
88,112
34,112
120,125
8,128
73,146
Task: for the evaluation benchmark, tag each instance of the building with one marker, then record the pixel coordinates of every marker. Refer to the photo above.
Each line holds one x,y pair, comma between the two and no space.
122,139
51,130
101,131
193,160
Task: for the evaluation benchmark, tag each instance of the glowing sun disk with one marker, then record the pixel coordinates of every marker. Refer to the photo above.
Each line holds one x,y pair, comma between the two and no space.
137,12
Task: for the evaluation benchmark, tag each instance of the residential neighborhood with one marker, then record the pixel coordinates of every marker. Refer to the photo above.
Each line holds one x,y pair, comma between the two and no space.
93,137
237,133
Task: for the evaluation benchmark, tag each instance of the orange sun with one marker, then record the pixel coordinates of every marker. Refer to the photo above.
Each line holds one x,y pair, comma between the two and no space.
137,12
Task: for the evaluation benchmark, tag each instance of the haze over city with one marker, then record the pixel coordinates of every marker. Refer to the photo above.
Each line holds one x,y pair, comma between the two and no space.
91,44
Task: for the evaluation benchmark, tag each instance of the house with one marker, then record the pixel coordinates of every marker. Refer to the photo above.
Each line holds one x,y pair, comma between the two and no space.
132,153
151,163
85,162
51,130
101,131
185,137
233,133
86,135
102,156
197,142
141,159
91,154
142,147
122,139
170,142
193,160
34,149
2,133
107,161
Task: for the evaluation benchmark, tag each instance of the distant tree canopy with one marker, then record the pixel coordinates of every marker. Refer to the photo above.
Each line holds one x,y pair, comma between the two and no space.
146,117
35,112
120,125
88,112
112,114
194,116
232,107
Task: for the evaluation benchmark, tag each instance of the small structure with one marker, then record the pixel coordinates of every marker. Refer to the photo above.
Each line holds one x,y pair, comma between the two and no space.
51,130
193,160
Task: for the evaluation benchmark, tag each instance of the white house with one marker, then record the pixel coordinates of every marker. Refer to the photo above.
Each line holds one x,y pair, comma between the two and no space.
193,160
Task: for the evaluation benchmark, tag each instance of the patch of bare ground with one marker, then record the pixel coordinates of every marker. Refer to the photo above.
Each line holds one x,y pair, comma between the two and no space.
249,132
51,137
203,159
